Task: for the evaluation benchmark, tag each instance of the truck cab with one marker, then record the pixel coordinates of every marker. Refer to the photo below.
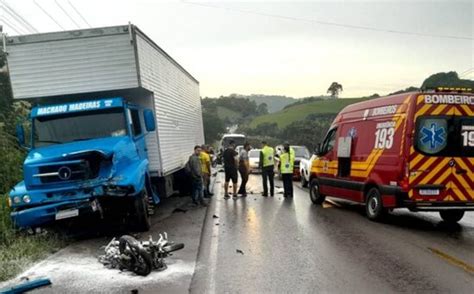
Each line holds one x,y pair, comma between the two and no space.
84,157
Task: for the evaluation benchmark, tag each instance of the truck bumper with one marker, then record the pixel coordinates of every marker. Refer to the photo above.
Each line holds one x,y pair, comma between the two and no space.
41,215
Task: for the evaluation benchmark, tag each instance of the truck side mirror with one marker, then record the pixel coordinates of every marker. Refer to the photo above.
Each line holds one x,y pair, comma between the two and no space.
20,134
149,118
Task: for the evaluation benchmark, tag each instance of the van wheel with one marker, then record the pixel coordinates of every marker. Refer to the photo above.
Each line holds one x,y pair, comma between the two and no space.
315,194
142,218
451,216
374,206
304,183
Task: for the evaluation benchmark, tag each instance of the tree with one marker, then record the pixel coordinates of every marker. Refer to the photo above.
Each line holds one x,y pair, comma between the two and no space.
334,89
214,127
262,109
446,79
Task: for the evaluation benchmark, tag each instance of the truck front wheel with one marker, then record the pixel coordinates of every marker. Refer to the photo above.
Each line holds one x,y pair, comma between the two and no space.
142,218
451,216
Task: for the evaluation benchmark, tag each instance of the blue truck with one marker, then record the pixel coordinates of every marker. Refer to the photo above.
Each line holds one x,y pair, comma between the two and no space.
114,120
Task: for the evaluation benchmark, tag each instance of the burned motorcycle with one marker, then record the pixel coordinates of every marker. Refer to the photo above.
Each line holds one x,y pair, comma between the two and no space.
140,257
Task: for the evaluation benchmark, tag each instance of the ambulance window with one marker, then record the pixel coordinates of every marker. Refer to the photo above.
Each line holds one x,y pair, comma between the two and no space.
329,142
431,136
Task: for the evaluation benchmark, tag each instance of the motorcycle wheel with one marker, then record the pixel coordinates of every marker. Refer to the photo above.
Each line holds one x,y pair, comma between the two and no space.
140,262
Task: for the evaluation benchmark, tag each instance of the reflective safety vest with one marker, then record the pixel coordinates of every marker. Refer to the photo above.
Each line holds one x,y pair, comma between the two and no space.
268,156
286,163
292,157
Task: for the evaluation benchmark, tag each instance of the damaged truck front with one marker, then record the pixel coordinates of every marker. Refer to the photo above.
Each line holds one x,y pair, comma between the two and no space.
85,157
114,121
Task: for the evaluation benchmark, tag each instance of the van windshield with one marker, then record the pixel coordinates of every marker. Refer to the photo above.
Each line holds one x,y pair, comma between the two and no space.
445,136
238,140
58,129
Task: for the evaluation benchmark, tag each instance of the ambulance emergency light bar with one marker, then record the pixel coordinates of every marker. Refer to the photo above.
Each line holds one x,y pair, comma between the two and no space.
448,89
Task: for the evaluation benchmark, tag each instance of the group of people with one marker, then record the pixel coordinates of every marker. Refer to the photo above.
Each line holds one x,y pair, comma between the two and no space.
199,168
234,161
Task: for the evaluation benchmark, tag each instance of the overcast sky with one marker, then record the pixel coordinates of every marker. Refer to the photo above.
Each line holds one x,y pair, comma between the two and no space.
284,47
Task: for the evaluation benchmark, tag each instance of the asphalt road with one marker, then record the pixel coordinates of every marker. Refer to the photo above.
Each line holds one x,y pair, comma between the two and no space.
279,245
75,268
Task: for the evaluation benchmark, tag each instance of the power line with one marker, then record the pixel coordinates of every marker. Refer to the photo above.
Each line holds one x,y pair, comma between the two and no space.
67,14
466,71
344,25
78,13
49,15
17,16
15,19
11,26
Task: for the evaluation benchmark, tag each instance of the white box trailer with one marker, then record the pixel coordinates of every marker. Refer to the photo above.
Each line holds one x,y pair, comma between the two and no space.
110,62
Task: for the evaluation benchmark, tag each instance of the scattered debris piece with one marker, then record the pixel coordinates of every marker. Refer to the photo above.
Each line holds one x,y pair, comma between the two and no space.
140,257
239,251
134,291
215,216
179,210
27,286
217,224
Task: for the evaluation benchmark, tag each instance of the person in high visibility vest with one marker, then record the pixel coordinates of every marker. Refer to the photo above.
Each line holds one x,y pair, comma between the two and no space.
267,165
287,162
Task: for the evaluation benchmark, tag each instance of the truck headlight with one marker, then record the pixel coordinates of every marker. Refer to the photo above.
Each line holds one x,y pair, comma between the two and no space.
16,199
26,199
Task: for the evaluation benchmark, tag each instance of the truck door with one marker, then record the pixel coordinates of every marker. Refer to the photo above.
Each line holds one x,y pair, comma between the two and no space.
138,133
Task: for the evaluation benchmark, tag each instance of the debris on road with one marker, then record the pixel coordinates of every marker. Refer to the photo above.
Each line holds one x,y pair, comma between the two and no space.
179,210
215,216
239,251
140,257
27,286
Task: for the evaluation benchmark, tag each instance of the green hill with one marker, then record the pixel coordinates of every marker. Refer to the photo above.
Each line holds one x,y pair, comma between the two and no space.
274,102
225,113
301,111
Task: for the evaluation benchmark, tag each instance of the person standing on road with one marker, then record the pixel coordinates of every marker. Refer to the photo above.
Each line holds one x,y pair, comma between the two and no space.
230,169
244,169
195,170
267,165
206,170
287,160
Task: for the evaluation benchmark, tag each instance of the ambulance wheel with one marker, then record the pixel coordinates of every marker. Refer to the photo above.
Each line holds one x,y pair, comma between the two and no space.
451,216
314,192
142,218
374,206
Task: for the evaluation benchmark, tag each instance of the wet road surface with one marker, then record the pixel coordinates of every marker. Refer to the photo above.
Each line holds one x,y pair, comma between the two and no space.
275,244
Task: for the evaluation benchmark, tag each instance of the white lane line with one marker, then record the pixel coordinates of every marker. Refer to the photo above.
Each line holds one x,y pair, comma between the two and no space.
215,235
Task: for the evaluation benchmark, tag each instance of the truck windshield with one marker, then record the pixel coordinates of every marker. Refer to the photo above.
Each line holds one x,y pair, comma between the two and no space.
445,136
58,129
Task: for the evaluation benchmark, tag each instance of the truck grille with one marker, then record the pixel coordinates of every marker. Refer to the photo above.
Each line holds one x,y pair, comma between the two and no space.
66,172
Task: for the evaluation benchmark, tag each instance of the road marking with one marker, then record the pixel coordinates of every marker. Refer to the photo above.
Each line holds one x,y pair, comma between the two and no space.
215,237
453,260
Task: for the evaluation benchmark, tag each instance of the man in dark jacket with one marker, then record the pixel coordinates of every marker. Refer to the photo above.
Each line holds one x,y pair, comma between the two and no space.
195,170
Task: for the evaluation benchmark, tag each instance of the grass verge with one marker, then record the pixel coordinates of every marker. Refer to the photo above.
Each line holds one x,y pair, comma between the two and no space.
18,250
